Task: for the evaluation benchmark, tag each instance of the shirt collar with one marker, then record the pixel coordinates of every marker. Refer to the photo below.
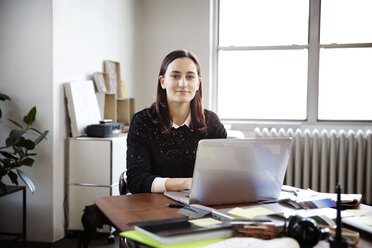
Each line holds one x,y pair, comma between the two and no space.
187,122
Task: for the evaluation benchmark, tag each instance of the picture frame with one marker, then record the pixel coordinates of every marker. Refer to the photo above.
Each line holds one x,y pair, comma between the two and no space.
101,79
112,68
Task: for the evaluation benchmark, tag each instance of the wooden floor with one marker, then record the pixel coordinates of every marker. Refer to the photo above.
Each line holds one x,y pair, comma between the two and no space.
100,241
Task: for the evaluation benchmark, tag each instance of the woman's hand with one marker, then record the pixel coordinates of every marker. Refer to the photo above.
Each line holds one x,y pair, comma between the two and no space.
178,184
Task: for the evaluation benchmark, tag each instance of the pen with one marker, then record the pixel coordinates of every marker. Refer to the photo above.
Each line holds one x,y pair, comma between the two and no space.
294,192
289,190
174,205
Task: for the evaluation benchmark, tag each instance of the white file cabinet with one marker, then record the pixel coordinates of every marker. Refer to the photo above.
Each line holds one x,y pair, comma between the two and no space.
94,168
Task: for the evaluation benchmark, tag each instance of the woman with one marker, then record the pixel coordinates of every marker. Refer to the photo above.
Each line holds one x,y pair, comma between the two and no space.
163,139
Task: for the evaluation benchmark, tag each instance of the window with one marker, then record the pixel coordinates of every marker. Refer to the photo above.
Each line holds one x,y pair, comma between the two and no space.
294,60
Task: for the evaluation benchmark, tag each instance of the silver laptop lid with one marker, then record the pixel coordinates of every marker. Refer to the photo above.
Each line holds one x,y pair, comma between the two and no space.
239,170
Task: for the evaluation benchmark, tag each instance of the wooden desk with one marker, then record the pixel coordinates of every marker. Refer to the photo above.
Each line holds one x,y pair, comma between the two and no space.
121,210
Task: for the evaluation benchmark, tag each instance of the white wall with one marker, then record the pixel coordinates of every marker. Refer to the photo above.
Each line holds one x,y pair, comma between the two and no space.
85,33
44,44
167,25
26,76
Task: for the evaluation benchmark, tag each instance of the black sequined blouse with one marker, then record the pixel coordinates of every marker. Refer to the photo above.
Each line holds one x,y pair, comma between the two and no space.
154,153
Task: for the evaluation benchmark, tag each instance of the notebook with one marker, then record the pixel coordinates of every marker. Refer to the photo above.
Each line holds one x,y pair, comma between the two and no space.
182,231
229,171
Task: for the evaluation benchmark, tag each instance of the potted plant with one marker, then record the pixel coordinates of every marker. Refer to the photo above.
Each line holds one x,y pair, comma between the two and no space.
18,149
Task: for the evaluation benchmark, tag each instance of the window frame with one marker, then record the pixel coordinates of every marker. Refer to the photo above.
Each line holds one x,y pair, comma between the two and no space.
313,47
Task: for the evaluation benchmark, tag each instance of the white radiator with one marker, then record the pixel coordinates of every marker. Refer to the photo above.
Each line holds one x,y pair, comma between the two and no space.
322,159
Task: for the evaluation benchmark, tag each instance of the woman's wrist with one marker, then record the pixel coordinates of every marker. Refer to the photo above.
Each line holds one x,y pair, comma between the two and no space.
178,184
158,185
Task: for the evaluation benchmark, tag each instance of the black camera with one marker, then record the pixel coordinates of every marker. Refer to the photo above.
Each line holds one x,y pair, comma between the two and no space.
305,230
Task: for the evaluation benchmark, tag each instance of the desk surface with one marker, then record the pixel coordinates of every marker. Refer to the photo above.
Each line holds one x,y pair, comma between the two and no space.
121,210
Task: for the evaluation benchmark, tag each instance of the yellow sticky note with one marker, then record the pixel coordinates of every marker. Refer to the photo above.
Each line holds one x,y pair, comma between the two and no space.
205,222
366,220
249,213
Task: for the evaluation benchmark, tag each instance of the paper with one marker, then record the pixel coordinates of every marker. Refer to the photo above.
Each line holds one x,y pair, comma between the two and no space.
346,199
331,213
205,222
366,220
361,223
316,203
142,238
82,106
255,243
249,213
356,212
301,195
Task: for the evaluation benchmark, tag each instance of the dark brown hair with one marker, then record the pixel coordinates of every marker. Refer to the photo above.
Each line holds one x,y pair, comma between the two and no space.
159,111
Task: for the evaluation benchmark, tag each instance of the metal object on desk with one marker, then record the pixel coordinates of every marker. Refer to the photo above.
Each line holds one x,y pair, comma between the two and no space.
338,241
305,230
10,190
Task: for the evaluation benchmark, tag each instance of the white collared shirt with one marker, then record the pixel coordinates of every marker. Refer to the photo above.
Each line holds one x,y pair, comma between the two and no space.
187,122
158,185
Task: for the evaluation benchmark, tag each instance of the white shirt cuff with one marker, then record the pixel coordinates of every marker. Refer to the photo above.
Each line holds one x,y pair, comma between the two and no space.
158,185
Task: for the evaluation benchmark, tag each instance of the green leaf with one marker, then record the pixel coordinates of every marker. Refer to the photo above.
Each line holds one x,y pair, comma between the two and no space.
15,123
24,145
35,130
29,144
8,163
8,155
30,117
13,177
4,97
41,137
14,137
27,161
17,150
20,142
21,150
31,154
26,180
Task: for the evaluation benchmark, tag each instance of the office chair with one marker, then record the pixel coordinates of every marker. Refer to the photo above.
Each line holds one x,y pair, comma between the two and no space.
123,189
93,218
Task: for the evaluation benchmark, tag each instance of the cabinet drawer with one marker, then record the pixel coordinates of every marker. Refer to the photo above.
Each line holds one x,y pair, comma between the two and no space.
81,196
90,162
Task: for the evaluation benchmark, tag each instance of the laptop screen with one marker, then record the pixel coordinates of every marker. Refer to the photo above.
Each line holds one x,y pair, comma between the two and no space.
239,170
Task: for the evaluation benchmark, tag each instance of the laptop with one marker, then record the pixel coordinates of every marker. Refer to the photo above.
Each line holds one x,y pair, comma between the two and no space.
229,171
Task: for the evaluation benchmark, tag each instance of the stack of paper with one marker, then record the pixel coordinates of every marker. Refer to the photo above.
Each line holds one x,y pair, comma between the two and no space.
309,196
361,219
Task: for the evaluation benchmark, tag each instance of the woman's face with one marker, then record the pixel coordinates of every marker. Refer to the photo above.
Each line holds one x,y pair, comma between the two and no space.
181,81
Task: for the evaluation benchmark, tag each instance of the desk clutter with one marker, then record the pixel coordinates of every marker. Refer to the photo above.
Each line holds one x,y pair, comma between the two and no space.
285,222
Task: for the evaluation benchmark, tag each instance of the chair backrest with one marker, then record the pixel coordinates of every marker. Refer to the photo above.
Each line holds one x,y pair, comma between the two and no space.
123,189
